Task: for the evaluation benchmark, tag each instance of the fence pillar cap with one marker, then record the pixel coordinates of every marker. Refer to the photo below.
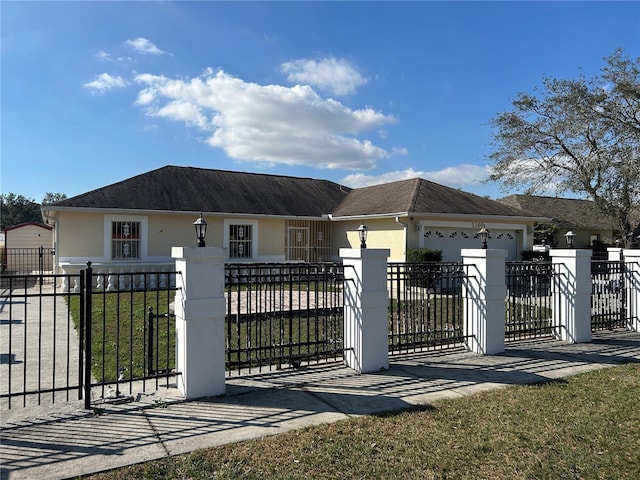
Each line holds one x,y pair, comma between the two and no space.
570,253
364,253
483,253
198,252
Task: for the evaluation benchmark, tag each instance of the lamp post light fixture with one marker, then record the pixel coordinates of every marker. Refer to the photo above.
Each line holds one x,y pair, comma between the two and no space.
484,235
570,237
201,230
362,233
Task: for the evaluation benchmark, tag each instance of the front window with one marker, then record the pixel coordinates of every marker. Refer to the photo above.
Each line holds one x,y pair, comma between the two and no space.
240,241
125,240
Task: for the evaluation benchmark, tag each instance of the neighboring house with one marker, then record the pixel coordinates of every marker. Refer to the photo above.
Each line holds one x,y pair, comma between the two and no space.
568,214
132,225
21,244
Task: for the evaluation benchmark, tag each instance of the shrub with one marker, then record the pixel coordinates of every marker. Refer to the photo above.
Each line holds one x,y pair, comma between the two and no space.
423,255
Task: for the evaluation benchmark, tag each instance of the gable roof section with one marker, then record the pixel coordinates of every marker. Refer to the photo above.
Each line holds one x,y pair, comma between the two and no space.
419,196
565,212
190,189
27,224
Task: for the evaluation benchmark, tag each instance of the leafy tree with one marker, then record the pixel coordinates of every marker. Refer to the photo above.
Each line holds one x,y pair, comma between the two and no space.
16,209
580,136
50,198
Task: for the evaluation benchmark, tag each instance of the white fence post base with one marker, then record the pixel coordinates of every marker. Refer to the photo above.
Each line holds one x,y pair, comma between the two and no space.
484,293
366,344
572,295
200,312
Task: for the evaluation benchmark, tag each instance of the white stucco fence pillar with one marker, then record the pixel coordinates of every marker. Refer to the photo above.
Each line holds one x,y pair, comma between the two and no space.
632,284
484,292
614,254
366,329
572,295
200,312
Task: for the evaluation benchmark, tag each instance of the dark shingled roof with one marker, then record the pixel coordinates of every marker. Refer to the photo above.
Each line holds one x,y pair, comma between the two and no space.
419,196
190,189
565,212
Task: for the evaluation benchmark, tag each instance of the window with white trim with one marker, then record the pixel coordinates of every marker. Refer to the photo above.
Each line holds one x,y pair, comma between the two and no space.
240,241
125,240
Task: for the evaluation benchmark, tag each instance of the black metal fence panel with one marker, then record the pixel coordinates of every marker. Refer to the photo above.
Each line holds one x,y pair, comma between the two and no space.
608,295
27,261
426,309
529,303
130,333
41,359
283,314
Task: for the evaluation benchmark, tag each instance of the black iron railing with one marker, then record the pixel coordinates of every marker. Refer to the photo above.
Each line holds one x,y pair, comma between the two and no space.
608,295
426,306
283,314
529,304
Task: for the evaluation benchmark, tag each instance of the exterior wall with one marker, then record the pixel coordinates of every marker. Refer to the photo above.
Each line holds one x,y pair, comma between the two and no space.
271,239
383,233
167,231
85,237
79,235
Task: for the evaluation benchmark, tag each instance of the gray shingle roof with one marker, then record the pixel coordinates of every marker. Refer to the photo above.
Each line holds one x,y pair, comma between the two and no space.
565,212
419,196
192,189
189,189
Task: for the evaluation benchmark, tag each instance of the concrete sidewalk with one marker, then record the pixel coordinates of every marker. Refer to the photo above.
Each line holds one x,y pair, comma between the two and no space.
67,444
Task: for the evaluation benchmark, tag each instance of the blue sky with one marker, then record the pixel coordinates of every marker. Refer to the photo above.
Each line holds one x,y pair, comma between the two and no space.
355,92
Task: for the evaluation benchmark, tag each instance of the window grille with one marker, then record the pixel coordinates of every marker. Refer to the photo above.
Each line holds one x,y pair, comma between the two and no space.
240,241
125,240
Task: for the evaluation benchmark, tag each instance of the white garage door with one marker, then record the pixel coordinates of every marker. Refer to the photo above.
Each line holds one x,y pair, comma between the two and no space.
452,240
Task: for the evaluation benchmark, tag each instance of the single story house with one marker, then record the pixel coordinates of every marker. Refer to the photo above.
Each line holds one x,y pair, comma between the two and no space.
591,228
132,225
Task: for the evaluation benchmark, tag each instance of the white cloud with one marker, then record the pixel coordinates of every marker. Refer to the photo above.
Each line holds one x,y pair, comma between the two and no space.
456,177
144,46
329,74
105,82
270,124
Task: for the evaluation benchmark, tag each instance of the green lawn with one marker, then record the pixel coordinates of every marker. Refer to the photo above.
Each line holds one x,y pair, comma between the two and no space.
120,333
583,427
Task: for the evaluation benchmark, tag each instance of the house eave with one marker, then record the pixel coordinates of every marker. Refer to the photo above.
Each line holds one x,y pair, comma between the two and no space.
123,211
510,218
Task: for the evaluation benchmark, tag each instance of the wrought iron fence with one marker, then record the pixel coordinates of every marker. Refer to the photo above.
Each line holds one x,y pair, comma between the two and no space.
608,295
529,304
96,336
426,309
27,261
129,333
283,314
41,359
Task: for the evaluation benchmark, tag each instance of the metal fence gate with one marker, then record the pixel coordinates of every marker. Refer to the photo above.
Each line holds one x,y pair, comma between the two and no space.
96,336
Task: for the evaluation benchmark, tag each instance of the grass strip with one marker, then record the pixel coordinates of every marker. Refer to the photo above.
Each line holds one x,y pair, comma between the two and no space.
587,426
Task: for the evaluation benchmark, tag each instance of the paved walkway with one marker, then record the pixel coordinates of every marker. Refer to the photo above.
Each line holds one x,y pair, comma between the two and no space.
39,346
71,443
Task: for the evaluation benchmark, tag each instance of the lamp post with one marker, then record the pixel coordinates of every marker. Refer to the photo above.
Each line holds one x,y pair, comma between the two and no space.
484,235
201,230
362,233
570,236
